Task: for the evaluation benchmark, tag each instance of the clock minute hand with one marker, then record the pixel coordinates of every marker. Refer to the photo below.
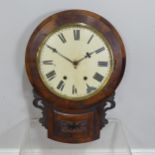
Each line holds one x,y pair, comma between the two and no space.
65,58
55,51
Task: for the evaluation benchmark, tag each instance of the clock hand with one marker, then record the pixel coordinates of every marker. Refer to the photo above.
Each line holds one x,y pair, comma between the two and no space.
88,55
55,51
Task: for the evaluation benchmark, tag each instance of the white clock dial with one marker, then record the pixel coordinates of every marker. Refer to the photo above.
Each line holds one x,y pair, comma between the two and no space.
75,61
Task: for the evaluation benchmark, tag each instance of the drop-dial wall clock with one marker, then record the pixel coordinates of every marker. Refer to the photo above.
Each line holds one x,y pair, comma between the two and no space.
75,60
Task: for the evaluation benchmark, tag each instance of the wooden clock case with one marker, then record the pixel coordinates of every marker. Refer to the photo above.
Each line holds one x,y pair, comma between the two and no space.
74,121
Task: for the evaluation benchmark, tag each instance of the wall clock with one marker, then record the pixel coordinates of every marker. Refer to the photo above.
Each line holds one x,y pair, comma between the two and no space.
75,60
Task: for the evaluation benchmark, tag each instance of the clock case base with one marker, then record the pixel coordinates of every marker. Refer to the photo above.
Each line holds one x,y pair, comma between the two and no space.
73,128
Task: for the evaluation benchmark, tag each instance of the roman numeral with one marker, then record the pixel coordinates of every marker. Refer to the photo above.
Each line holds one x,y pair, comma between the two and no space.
90,89
98,77
102,63
51,75
61,85
74,90
76,34
99,50
48,62
90,39
62,38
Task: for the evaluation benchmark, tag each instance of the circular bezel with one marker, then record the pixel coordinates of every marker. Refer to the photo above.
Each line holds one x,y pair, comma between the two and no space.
107,45
53,23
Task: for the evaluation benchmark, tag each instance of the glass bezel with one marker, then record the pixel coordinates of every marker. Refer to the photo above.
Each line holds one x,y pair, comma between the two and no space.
107,45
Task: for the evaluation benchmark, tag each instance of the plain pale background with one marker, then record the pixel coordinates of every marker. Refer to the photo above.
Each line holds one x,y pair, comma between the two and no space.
135,21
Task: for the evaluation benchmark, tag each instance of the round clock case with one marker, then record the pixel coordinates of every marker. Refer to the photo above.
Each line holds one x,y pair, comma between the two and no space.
69,115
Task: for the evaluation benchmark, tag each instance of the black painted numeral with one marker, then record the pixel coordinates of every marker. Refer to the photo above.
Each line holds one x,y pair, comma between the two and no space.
102,63
62,38
76,34
51,75
61,85
90,39
98,77
99,50
90,89
48,62
74,90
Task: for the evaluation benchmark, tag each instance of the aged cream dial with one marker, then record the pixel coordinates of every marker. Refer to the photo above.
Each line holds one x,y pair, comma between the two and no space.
75,61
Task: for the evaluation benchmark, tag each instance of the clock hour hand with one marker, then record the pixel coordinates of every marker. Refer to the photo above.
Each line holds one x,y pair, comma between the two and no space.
55,51
88,54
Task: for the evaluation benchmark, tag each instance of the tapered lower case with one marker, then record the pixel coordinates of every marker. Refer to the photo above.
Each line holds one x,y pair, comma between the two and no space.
74,128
